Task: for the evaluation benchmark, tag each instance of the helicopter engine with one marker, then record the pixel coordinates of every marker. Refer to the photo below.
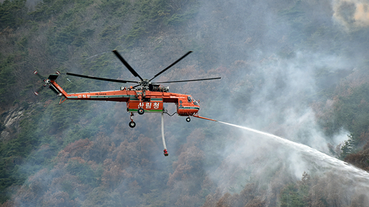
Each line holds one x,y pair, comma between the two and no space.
156,87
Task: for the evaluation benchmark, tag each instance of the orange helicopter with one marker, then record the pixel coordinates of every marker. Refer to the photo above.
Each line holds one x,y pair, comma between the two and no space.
146,96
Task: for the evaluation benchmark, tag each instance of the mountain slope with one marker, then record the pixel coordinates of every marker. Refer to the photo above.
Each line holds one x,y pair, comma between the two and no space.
292,68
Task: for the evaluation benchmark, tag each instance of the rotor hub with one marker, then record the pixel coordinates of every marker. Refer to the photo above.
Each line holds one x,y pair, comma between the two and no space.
144,82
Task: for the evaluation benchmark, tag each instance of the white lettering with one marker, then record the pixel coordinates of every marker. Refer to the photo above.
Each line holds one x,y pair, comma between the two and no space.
148,105
156,105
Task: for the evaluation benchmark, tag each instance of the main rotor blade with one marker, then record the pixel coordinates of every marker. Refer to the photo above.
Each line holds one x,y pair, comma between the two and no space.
203,79
103,79
126,64
170,65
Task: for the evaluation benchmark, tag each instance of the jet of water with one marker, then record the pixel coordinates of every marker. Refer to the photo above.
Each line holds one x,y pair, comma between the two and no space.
322,159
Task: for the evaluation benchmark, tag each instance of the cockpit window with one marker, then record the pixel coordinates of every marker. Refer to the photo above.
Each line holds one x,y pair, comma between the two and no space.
195,102
189,99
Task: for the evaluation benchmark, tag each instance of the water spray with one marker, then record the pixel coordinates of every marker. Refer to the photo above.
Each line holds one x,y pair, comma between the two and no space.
330,162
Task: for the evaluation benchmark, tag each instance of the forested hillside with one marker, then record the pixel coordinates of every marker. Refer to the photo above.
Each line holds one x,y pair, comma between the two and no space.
293,68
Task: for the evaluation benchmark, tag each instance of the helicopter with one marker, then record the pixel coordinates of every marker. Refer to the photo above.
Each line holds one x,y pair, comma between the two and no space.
143,97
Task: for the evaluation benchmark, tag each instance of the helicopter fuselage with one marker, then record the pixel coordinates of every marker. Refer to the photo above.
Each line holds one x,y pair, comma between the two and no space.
149,101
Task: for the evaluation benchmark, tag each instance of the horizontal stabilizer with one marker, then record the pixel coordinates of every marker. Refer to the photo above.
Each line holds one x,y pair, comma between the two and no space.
53,77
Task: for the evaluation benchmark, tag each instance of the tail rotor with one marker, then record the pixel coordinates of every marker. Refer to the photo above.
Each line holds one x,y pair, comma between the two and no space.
39,90
46,82
39,76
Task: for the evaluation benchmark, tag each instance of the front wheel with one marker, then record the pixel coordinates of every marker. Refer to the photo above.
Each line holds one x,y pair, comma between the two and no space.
140,111
132,124
188,119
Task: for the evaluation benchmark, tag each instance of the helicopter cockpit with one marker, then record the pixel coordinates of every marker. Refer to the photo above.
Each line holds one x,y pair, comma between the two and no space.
191,100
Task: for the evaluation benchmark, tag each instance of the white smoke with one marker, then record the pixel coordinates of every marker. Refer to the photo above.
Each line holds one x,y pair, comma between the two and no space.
352,14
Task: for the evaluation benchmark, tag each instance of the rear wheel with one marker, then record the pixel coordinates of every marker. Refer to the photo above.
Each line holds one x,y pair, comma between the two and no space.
188,119
140,111
132,124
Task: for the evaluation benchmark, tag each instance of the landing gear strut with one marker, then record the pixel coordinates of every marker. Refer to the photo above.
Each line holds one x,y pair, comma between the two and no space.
132,124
